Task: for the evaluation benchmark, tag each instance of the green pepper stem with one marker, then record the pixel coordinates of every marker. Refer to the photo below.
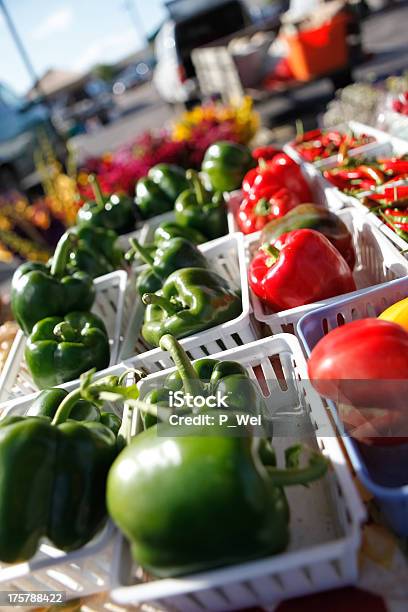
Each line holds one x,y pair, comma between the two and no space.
109,388
142,252
96,188
194,179
191,381
262,207
158,300
66,332
61,254
293,474
65,407
273,253
300,130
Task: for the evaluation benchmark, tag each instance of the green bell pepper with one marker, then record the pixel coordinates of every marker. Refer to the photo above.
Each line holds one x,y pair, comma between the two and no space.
150,199
47,402
170,178
191,300
53,474
201,210
225,164
60,349
203,499
39,291
173,255
95,250
116,212
206,377
168,230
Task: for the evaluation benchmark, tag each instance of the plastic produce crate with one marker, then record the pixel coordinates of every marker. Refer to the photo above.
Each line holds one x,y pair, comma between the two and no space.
386,147
377,261
325,517
78,573
226,256
393,501
15,378
356,128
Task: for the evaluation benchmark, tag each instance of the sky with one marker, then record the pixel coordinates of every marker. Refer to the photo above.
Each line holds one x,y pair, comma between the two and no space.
72,34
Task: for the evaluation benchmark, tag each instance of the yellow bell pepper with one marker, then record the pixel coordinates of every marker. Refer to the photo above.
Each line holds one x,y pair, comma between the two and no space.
397,313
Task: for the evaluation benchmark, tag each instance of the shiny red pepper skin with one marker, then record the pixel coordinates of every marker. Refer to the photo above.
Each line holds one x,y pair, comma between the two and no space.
308,268
253,214
290,174
266,153
365,364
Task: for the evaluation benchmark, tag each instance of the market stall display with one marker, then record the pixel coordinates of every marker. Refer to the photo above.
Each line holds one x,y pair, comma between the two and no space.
137,287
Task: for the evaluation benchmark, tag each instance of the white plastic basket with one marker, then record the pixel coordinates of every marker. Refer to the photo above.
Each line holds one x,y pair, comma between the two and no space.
386,148
325,517
377,261
15,378
226,257
78,573
354,126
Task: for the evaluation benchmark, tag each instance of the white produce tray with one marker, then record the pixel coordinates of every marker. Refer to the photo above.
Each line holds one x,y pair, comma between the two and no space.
325,517
227,258
109,305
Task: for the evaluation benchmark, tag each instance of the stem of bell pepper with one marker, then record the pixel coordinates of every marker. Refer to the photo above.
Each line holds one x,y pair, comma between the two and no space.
66,332
194,179
140,250
61,254
191,381
262,208
108,388
159,300
96,188
293,474
273,253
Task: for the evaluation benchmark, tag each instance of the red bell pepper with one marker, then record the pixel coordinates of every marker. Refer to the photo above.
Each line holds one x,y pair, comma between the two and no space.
254,214
306,269
365,364
290,174
266,153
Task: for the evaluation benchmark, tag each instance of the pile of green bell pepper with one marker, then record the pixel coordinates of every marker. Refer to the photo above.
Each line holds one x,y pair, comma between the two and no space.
205,497
116,212
157,192
191,300
225,164
201,210
53,470
59,349
169,256
39,290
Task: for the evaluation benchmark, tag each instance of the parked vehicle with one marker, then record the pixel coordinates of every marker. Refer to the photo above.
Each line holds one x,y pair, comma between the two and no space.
21,124
174,75
132,76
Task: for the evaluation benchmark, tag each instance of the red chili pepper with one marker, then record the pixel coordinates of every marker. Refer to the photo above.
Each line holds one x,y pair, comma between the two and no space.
336,180
307,136
266,153
369,172
395,165
308,268
392,194
254,215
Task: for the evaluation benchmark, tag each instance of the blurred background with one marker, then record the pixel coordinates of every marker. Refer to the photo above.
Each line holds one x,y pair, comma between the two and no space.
101,86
